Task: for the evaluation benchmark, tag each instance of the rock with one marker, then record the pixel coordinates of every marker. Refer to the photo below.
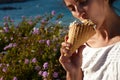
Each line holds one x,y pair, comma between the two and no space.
9,8
11,1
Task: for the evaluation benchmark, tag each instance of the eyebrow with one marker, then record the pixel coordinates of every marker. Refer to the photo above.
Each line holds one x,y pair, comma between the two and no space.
69,6
76,0
79,0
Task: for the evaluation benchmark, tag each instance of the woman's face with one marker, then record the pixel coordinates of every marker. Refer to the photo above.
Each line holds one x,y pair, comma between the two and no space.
87,9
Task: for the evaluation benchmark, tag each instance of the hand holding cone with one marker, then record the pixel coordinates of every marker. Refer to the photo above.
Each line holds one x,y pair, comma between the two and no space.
79,33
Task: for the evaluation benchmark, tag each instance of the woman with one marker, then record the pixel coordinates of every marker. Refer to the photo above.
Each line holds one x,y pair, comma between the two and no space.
99,59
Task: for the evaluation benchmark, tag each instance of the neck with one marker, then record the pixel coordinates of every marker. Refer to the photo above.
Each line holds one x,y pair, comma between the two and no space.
100,39
111,24
109,32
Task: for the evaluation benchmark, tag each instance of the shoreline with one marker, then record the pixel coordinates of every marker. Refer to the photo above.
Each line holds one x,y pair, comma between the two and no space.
13,1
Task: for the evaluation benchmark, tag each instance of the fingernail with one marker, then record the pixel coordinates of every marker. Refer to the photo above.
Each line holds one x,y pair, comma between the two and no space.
63,44
67,48
76,51
65,55
68,45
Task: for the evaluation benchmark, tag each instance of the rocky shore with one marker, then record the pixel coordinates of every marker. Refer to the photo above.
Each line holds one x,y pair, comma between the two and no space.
11,1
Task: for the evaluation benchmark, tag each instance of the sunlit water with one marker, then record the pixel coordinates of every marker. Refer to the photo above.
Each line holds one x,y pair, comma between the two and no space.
34,8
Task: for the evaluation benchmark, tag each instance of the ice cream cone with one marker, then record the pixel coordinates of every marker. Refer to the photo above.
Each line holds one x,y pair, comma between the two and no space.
79,33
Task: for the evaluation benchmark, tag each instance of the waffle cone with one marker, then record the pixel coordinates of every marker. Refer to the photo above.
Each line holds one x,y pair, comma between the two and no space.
79,33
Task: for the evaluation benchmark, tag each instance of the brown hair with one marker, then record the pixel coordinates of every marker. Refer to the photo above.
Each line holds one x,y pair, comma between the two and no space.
111,1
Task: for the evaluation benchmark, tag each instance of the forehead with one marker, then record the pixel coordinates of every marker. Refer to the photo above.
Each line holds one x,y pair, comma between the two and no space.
67,2
73,1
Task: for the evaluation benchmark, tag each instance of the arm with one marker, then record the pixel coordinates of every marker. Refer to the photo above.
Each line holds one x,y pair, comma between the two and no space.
78,75
72,64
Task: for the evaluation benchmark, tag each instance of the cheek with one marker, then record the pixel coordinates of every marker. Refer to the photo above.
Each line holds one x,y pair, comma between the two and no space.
96,13
74,14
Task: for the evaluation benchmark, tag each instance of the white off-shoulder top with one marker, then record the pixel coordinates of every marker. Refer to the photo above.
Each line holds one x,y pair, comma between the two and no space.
101,63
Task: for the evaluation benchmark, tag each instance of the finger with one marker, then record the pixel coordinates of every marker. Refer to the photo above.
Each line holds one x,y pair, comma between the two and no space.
80,49
65,45
66,38
65,62
64,59
64,51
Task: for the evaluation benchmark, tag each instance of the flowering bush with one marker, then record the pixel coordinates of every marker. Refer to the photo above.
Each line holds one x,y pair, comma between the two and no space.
30,49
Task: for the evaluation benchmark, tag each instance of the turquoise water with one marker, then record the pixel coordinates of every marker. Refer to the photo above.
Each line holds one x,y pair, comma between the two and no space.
34,8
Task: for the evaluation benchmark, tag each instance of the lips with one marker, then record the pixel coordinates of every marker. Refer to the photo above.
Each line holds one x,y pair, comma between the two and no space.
84,16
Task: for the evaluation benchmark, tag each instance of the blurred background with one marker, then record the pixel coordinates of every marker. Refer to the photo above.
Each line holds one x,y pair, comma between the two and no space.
31,8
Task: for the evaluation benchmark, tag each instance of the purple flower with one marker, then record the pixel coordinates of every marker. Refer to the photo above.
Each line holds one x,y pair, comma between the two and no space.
40,73
7,65
6,17
25,37
58,22
55,49
23,17
37,68
43,21
15,78
53,12
10,46
0,64
30,22
2,78
45,74
11,38
6,47
12,20
4,69
48,42
55,74
6,29
34,60
5,24
35,30
45,65
17,26
41,41
38,17
14,45
26,61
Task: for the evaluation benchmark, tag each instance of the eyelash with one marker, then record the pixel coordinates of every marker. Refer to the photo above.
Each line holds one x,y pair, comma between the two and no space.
71,8
83,3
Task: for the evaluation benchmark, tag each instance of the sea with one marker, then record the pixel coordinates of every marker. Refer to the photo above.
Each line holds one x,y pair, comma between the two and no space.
32,8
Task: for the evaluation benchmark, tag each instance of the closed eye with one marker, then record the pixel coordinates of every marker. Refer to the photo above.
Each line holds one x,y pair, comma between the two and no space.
71,8
84,2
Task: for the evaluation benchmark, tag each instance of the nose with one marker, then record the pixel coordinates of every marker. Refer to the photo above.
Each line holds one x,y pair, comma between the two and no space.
78,11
